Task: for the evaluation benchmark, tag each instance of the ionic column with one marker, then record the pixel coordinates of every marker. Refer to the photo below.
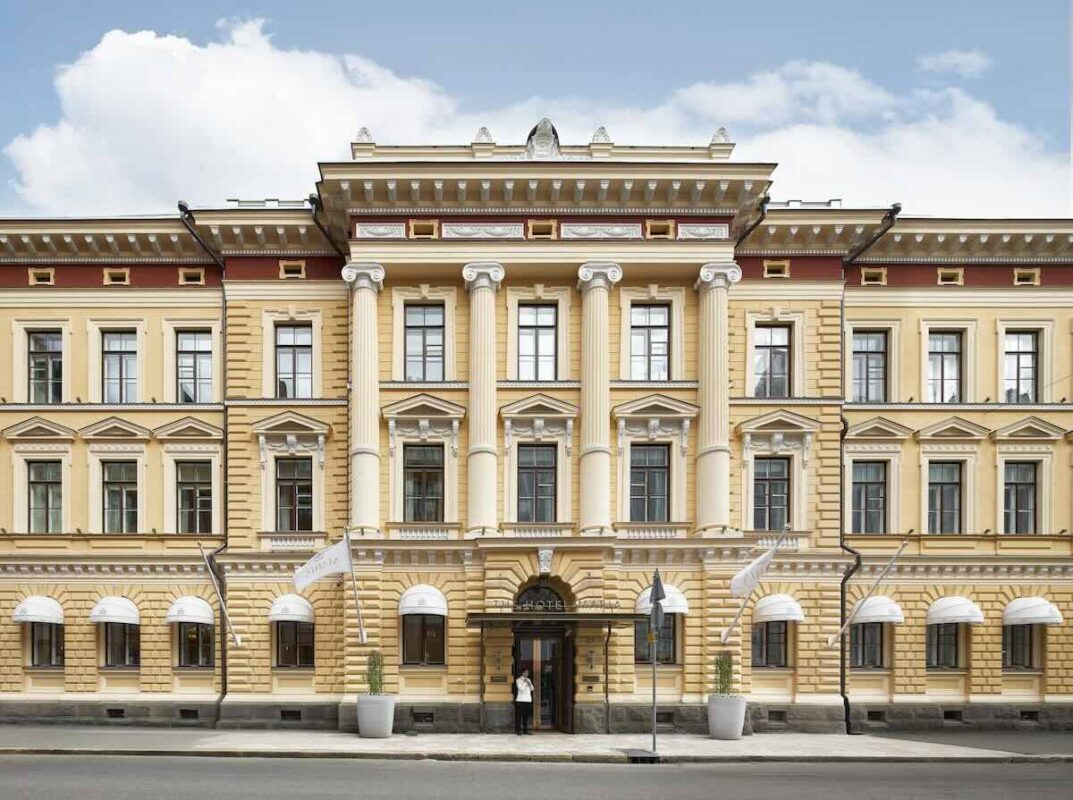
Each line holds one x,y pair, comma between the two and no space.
365,281
482,280
595,279
713,372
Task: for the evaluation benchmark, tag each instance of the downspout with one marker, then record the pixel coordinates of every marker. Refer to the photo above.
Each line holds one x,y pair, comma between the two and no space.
607,685
316,205
888,222
756,223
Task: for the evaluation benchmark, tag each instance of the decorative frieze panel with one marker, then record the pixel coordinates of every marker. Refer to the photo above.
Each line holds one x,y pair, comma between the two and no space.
482,230
380,230
578,230
697,230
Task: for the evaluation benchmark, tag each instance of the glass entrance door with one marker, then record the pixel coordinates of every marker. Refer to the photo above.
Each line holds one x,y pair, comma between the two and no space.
542,655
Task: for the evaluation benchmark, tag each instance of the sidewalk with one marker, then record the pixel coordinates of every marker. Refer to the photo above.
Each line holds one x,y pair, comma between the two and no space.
673,748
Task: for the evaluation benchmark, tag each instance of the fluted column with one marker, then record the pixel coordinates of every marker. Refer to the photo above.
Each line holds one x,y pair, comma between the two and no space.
482,280
365,281
595,279
713,372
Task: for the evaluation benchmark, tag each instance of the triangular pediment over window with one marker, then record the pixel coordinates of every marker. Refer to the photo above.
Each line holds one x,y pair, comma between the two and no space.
780,422
290,422
953,428
878,428
115,428
539,405
188,428
39,428
656,405
424,406
1030,428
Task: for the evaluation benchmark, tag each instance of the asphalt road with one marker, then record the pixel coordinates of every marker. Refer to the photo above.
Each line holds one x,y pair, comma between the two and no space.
122,777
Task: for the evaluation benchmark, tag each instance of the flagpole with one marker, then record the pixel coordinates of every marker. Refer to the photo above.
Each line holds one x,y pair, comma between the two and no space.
219,597
725,636
883,574
354,585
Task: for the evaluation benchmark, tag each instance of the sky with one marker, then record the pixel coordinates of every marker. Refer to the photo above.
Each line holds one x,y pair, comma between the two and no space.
949,107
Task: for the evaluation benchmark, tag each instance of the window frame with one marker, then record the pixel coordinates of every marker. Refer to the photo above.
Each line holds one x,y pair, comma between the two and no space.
1033,358
126,360
423,621
883,482
1028,646
937,639
295,350
131,645
942,380
124,486
648,497
424,329
867,355
764,629
56,645
1035,495
770,349
299,642
647,329
296,483
198,366
205,635
198,486
757,480
667,650
56,483
536,470
940,510
54,387
859,646
426,471
535,329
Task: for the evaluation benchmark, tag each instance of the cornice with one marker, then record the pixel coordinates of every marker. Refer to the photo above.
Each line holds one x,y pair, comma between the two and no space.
285,290
947,297
53,297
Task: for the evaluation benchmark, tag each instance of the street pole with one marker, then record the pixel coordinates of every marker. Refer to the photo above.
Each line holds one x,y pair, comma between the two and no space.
652,650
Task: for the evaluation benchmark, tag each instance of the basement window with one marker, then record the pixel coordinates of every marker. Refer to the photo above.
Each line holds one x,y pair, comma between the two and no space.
950,276
191,276
424,229
41,276
543,229
953,716
116,713
292,270
117,276
874,276
1028,276
659,228
776,269
290,715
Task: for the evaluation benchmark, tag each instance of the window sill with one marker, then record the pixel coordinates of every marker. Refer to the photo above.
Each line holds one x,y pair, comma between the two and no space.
423,667
293,670
659,667
870,670
777,670
946,671
54,670
188,670
121,670
1022,671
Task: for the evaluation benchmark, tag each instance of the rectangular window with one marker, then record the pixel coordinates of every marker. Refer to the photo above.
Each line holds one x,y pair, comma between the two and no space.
769,644
294,361
536,482
666,649
120,496
193,366
1020,497
294,494
122,645
423,639
424,337
294,644
46,496
869,497
1018,651
195,644
942,646
423,483
1020,367
650,342
194,496
944,367
771,493
771,361
537,342
649,482
119,353
866,645
46,366
869,366
944,497
46,644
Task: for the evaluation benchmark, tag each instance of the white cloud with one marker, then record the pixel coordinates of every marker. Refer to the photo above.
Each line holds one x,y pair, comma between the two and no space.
966,63
148,119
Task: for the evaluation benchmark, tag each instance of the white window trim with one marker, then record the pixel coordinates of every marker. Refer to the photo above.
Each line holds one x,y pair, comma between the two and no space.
174,453
523,430
968,355
424,432
889,453
171,328
893,329
799,483
20,356
675,298
1044,329
1043,456
126,451
95,330
296,447
400,296
669,433
269,320
21,454
968,455
539,293
777,316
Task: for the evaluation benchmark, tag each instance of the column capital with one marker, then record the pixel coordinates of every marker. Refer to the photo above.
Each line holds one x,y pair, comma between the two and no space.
481,274
364,275
718,275
603,274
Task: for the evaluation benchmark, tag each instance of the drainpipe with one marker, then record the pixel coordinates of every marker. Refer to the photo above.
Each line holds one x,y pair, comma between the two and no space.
317,205
756,223
607,685
888,222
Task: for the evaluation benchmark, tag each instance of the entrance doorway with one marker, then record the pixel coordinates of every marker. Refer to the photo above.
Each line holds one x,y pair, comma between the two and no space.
542,654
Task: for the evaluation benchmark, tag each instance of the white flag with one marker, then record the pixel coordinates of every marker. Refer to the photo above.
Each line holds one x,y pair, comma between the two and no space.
742,584
334,560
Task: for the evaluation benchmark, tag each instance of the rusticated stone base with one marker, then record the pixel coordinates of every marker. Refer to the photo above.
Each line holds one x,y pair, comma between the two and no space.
165,713
946,716
297,714
422,717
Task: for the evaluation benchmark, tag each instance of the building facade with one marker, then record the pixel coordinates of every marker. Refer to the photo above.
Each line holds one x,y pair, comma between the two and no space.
524,377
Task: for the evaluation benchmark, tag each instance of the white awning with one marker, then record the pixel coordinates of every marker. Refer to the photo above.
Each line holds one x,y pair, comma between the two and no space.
954,609
191,609
673,603
1031,611
423,599
879,609
115,609
37,608
291,608
777,608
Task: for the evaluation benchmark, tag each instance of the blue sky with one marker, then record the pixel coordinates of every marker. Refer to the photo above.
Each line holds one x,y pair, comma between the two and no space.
828,88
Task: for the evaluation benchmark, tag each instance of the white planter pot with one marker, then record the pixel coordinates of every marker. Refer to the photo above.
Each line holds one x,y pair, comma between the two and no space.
376,715
726,716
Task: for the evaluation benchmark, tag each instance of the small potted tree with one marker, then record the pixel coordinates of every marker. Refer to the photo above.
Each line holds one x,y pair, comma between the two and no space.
376,710
726,710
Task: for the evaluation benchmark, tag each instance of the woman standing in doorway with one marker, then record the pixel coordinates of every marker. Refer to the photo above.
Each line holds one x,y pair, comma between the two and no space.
523,703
